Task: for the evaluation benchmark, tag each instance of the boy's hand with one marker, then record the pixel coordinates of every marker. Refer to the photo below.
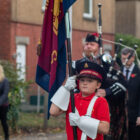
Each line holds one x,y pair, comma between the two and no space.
138,121
101,93
70,83
74,118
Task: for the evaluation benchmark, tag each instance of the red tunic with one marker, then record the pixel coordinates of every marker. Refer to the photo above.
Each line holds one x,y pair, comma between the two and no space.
100,111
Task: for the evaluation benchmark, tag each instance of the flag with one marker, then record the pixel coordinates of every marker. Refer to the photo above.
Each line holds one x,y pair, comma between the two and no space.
51,67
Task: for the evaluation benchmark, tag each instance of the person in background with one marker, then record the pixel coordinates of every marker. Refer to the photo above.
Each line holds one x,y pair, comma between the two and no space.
132,73
4,105
91,115
91,49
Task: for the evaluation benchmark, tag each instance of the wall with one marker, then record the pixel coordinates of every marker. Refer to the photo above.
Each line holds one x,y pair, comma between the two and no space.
27,11
125,17
32,34
82,26
137,33
108,18
4,29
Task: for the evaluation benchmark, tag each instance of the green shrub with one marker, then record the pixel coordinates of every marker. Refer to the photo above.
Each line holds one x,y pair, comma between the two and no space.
129,40
17,91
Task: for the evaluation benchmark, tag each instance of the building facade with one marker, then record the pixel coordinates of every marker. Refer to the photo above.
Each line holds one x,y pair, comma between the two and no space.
128,17
85,21
21,23
20,29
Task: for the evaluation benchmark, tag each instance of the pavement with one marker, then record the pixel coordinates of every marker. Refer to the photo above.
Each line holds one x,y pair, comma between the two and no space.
41,136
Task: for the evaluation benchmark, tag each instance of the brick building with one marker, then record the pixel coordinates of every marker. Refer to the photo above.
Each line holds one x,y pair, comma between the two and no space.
85,20
128,17
20,29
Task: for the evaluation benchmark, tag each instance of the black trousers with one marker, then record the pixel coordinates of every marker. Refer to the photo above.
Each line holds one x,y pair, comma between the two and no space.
133,131
3,118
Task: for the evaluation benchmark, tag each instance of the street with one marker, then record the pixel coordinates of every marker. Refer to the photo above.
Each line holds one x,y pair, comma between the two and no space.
41,136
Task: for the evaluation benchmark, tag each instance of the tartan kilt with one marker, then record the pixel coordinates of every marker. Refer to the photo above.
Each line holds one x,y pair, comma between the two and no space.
118,120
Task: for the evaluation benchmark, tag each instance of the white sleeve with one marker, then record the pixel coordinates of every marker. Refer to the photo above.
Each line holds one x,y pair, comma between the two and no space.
61,98
89,126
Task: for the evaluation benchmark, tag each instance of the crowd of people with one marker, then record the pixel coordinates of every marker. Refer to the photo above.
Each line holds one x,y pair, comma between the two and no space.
107,98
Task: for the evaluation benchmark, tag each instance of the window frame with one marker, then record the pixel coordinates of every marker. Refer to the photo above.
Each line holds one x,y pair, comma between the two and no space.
43,5
90,14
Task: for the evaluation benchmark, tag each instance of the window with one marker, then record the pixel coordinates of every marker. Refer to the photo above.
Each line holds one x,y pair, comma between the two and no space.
21,61
87,9
43,5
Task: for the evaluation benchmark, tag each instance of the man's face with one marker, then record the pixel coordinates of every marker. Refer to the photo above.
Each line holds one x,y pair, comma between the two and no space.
129,62
91,47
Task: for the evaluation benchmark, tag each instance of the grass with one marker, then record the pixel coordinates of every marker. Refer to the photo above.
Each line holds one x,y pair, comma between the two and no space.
34,122
30,120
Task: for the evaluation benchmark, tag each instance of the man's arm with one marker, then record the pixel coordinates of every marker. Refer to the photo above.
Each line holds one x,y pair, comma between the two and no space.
138,118
115,89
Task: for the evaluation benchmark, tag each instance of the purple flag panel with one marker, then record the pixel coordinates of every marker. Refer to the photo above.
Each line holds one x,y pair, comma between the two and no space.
51,67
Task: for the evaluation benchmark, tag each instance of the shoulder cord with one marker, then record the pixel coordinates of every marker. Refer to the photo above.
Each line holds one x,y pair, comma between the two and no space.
89,112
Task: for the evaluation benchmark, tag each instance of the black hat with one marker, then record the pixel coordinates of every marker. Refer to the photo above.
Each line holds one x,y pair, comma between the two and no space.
92,38
91,70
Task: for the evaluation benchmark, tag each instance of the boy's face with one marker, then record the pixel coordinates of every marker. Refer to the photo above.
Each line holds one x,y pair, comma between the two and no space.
88,86
91,47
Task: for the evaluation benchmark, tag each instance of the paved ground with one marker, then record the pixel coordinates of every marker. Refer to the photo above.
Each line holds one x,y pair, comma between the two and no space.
41,136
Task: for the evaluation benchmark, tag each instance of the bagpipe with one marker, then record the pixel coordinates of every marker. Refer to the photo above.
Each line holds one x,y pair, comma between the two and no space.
112,64
115,78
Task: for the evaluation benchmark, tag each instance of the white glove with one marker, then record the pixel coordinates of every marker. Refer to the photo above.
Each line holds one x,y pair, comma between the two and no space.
73,118
70,83
61,98
87,124
117,87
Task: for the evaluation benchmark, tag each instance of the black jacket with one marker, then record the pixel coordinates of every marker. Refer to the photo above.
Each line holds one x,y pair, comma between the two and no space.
113,98
4,90
133,87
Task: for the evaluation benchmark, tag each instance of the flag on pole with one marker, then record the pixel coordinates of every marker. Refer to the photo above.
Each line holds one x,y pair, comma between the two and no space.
51,67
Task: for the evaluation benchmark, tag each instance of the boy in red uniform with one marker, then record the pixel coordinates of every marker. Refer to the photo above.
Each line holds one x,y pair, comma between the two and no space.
91,112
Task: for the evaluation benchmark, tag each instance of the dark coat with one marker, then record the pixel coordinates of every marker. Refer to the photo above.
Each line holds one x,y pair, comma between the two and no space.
133,87
4,90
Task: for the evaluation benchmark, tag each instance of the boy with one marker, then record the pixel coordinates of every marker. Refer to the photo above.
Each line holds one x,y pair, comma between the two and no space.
91,112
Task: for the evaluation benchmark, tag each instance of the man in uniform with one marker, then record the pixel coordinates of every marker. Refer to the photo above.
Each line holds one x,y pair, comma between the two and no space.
91,115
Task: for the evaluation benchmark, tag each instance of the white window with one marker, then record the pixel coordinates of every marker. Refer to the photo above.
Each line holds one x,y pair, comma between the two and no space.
21,60
43,5
88,8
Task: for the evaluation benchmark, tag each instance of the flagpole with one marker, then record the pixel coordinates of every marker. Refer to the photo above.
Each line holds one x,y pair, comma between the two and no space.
67,23
100,28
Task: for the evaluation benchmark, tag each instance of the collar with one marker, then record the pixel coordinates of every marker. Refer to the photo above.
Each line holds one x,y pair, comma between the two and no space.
87,97
130,68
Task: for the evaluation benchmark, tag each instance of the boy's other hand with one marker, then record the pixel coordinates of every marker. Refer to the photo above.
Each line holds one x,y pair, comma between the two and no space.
101,93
